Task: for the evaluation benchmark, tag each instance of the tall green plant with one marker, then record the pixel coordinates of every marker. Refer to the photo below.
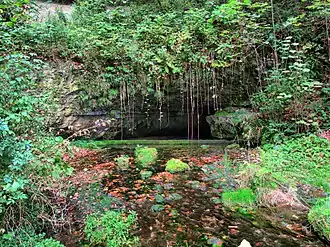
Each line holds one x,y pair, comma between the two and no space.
15,155
292,102
21,103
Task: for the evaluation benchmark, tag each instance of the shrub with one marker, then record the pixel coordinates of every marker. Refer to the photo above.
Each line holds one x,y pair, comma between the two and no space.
14,12
293,100
15,155
145,174
20,106
146,156
49,151
20,238
176,165
319,217
111,229
243,197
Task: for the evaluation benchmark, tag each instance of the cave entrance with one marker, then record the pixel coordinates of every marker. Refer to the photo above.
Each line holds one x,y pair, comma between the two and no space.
172,125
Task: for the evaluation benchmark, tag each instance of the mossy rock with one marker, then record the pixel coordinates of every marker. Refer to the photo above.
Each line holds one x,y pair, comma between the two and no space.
234,124
146,157
176,165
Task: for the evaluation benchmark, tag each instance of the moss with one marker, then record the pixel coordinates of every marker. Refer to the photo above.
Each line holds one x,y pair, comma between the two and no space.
145,156
222,113
319,217
122,162
243,197
176,165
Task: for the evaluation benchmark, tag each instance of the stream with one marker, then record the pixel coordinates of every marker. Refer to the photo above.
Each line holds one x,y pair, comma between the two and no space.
184,209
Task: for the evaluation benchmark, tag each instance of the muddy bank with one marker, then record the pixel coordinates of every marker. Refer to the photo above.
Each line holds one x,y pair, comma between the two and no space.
46,9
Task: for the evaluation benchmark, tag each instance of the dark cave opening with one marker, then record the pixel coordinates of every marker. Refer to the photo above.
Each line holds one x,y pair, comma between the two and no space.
173,125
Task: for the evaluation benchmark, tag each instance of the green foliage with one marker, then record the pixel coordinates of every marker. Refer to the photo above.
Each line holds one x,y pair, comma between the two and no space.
112,229
300,160
242,197
145,41
37,37
49,242
157,208
156,43
127,50
26,166
176,165
13,12
122,162
50,151
20,103
221,174
319,217
14,239
294,101
145,157
15,155
145,174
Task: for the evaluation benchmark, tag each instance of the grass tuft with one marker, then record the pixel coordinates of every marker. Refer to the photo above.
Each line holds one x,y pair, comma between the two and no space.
243,197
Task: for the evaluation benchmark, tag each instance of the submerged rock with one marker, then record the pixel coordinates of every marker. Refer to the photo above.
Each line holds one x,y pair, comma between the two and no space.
234,123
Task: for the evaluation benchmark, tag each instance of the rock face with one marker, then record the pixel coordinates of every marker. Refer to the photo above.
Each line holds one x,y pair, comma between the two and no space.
234,124
91,125
180,111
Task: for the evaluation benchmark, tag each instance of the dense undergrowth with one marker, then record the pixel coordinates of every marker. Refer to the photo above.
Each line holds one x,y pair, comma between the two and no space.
124,50
299,164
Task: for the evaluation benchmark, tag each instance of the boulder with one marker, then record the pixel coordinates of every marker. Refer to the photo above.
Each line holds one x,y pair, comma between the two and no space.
234,124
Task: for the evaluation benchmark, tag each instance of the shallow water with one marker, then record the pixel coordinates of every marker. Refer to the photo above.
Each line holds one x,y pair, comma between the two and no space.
186,210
